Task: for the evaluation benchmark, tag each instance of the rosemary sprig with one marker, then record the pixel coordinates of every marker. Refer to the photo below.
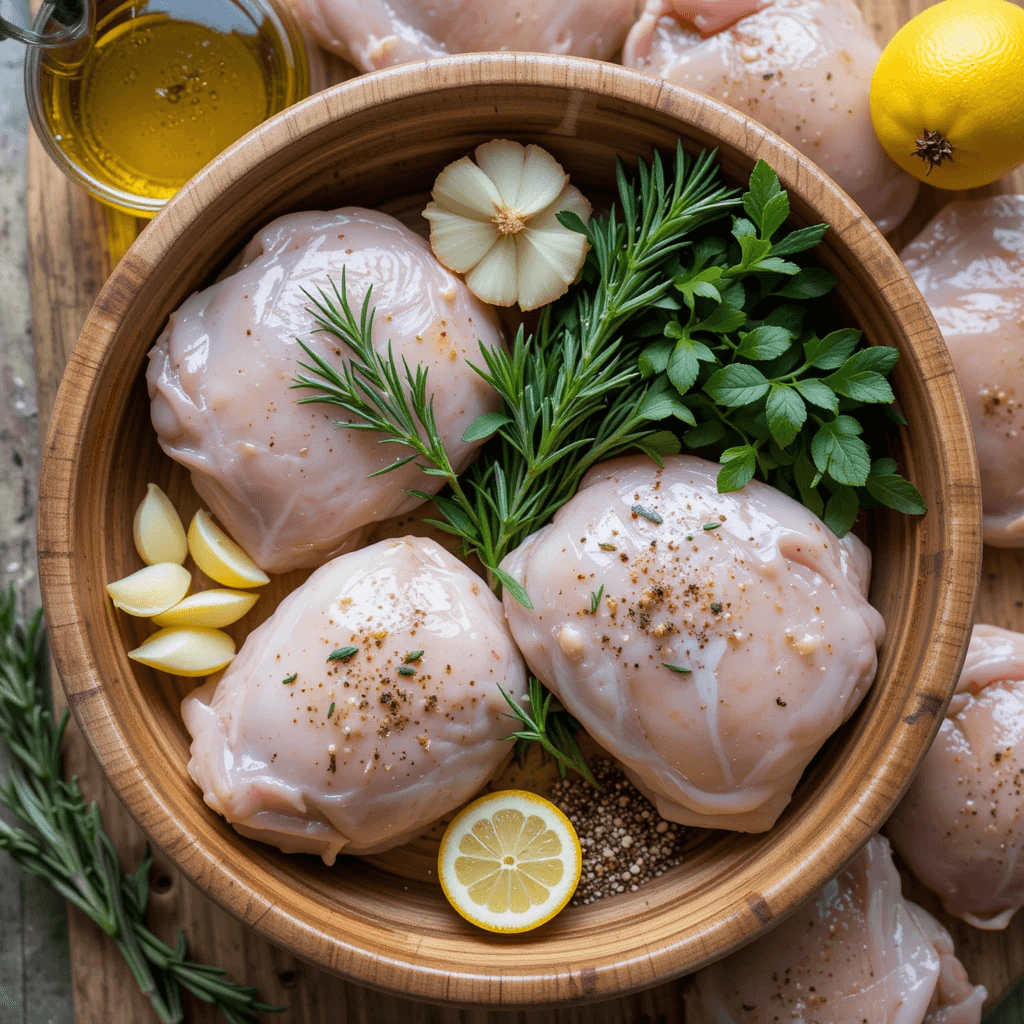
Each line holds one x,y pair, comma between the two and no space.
571,392
554,731
63,841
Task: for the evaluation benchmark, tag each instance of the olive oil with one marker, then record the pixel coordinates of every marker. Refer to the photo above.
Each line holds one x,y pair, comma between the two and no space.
165,86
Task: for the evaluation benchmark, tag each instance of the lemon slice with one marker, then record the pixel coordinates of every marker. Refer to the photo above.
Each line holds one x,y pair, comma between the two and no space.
152,590
159,535
509,861
186,652
219,556
213,608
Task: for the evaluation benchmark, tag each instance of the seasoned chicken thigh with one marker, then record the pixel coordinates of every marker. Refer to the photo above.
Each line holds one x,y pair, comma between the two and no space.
373,34
365,708
858,954
729,636
287,483
801,67
960,827
969,264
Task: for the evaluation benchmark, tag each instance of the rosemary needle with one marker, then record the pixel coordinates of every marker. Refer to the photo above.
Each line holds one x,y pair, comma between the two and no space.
571,392
555,732
63,841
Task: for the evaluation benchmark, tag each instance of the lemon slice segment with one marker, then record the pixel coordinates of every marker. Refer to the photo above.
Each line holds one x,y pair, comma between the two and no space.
152,590
159,535
219,556
509,861
214,608
185,652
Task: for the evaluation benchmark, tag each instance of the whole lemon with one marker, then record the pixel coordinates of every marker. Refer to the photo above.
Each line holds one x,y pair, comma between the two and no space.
947,96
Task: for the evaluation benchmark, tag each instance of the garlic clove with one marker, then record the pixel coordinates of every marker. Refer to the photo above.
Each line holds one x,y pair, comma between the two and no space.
464,189
458,242
502,162
159,535
494,223
543,181
185,652
495,279
571,199
212,608
550,256
219,556
152,590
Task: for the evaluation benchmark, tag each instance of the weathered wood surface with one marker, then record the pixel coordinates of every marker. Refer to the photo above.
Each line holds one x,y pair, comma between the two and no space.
71,240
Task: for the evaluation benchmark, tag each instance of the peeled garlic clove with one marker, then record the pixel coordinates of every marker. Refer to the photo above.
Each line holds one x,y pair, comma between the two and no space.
548,252
219,556
152,590
159,535
186,652
212,608
497,224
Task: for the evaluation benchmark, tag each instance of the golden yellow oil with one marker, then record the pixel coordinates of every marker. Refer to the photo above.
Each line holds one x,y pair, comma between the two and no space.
165,86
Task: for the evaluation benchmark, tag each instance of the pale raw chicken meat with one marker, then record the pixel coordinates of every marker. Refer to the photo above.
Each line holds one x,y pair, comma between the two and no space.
374,34
801,67
287,483
969,264
960,827
730,639
361,752
859,953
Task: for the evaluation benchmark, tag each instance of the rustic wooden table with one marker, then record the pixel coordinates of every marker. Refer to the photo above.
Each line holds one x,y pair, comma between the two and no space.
74,243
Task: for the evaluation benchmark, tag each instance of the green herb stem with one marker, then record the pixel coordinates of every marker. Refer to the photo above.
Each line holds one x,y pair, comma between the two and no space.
62,839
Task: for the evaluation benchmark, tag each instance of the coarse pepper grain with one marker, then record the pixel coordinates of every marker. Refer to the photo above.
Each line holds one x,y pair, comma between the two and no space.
625,842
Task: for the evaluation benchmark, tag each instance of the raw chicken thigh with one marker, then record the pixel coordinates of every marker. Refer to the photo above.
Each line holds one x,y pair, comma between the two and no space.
969,264
731,634
373,34
801,67
288,484
859,954
960,827
360,751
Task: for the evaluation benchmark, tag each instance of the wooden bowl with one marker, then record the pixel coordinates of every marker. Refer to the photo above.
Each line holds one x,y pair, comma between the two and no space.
380,140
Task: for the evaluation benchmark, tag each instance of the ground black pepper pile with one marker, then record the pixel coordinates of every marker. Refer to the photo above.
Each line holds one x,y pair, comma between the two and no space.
625,842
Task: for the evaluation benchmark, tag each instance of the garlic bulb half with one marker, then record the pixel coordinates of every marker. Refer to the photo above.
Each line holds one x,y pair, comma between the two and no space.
495,221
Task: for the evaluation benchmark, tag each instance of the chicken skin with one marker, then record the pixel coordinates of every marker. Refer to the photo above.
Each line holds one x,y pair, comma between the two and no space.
374,34
859,953
969,264
801,67
960,827
365,708
711,642
290,485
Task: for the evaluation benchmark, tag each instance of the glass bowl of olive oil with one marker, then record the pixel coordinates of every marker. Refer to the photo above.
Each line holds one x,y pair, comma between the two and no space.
160,88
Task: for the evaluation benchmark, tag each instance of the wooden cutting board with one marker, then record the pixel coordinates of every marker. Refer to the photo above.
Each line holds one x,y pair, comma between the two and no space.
74,242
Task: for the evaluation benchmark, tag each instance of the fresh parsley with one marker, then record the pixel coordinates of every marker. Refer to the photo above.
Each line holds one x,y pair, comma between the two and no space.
774,387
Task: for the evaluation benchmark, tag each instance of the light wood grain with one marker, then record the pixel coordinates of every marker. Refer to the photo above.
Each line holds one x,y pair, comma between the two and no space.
68,266
370,141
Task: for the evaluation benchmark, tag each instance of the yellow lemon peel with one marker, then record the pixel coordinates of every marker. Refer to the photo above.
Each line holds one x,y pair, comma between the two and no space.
509,861
946,93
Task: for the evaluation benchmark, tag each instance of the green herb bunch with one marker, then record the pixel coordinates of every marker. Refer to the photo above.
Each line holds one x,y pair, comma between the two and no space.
571,394
772,389
63,841
674,327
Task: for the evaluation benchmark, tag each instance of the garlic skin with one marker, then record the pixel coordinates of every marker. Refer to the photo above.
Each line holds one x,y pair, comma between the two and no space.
495,222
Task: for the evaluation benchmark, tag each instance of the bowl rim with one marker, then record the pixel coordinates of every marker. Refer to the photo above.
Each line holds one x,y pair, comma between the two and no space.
507,983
